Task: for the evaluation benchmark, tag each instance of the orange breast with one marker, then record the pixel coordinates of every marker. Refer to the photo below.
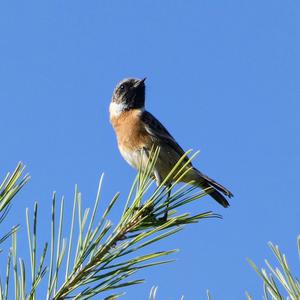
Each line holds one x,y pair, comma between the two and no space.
130,131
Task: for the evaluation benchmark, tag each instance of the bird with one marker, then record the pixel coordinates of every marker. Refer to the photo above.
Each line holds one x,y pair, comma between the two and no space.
138,131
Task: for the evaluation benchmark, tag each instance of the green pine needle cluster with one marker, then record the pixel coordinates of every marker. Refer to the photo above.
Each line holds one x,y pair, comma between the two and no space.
279,283
10,186
99,257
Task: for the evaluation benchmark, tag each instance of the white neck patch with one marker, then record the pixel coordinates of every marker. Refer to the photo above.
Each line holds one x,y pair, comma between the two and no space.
116,109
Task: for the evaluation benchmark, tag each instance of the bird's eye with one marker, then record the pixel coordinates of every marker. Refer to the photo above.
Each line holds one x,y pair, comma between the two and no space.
122,87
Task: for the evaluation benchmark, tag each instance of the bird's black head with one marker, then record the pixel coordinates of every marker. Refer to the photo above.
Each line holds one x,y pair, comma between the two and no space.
130,93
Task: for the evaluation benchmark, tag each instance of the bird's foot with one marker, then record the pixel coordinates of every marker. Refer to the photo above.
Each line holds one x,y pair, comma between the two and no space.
164,218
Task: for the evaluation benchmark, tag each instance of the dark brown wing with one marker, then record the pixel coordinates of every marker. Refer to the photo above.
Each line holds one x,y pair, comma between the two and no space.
160,134
162,137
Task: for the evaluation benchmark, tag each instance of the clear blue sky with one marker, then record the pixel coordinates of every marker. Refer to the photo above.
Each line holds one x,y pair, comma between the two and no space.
223,76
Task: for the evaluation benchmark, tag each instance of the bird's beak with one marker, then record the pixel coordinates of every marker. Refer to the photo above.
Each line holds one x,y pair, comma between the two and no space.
140,82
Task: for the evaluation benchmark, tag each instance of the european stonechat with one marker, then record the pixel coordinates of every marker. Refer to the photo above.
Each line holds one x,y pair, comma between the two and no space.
138,132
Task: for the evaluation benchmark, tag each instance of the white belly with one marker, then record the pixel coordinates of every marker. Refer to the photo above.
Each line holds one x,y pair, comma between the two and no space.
137,159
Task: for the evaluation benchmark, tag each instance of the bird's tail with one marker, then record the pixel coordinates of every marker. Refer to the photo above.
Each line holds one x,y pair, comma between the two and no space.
214,189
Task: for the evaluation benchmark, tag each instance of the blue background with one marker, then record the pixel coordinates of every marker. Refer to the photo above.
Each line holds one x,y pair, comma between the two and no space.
223,76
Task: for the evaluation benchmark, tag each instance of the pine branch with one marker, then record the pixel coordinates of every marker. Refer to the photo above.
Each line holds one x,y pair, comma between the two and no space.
279,282
139,226
101,257
9,187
